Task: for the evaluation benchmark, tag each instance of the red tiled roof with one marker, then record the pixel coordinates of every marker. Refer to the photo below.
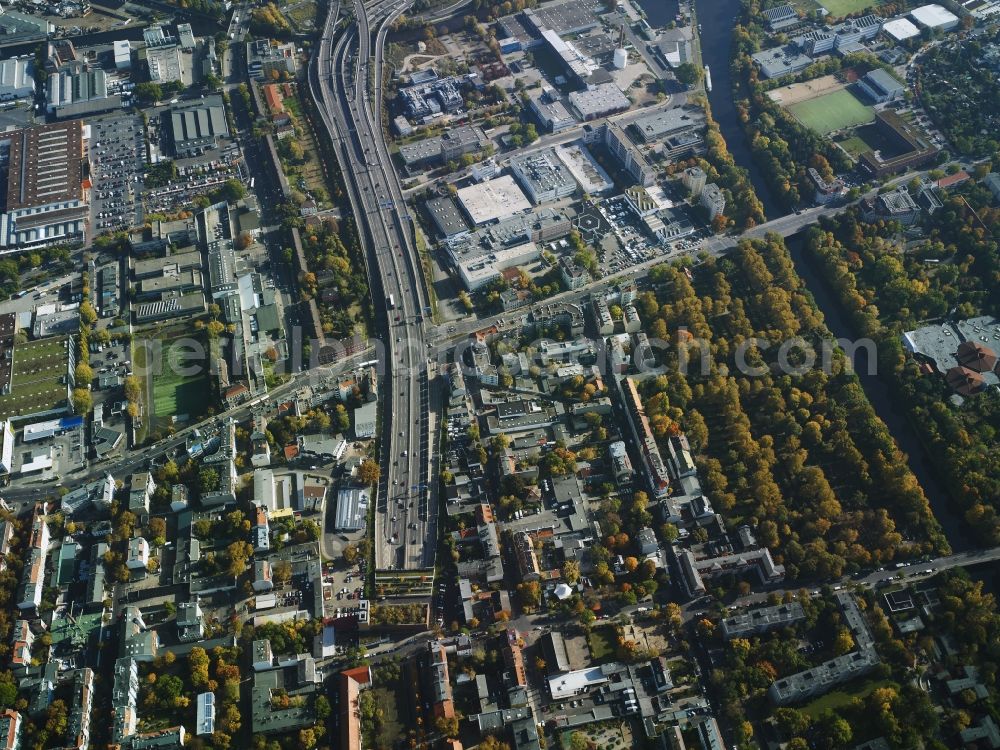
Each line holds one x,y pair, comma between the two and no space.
350,724
237,390
964,381
953,179
272,96
975,356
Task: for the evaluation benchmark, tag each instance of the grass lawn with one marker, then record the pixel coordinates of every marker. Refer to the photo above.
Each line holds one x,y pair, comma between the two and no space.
390,728
427,265
311,170
843,697
837,8
291,105
174,374
37,370
867,138
601,642
302,16
854,145
830,112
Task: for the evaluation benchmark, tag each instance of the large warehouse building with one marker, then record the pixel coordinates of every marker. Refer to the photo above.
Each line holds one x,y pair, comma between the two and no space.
352,509
73,92
198,128
934,17
17,78
542,176
47,196
493,200
900,29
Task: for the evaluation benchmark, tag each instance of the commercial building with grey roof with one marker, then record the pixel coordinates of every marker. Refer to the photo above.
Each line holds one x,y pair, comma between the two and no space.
881,86
964,350
781,18
659,125
73,92
197,128
18,27
757,621
150,267
268,717
446,217
17,78
599,101
158,287
453,144
543,176
781,61
568,17
551,112
352,509
628,153
168,309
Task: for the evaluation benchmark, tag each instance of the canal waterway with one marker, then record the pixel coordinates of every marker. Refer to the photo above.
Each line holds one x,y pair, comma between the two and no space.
717,18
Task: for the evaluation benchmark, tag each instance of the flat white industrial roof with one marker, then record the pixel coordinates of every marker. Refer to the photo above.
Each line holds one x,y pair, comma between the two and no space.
569,684
493,200
589,175
933,15
480,269
38,461
900,29
40,429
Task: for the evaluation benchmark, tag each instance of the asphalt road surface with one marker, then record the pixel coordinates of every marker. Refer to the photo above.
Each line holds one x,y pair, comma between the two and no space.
343,69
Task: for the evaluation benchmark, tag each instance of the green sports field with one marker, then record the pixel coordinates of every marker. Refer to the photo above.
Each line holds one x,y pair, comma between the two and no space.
836,111
38,375
173,365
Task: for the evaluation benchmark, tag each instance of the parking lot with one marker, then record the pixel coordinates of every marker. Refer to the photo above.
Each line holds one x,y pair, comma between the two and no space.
620,240
634,247
118,156
196,175
113,357
110,360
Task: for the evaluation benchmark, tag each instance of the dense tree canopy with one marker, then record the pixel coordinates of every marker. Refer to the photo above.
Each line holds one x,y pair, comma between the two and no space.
889,285
791,446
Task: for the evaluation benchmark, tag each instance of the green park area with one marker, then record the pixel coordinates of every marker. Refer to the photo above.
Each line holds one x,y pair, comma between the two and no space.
836,8
173,364
843,697
854,145
38,377
867,138
838,110
601,642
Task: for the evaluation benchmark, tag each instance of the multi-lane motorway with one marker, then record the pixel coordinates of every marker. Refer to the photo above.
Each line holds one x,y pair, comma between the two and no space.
346,80
346,76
